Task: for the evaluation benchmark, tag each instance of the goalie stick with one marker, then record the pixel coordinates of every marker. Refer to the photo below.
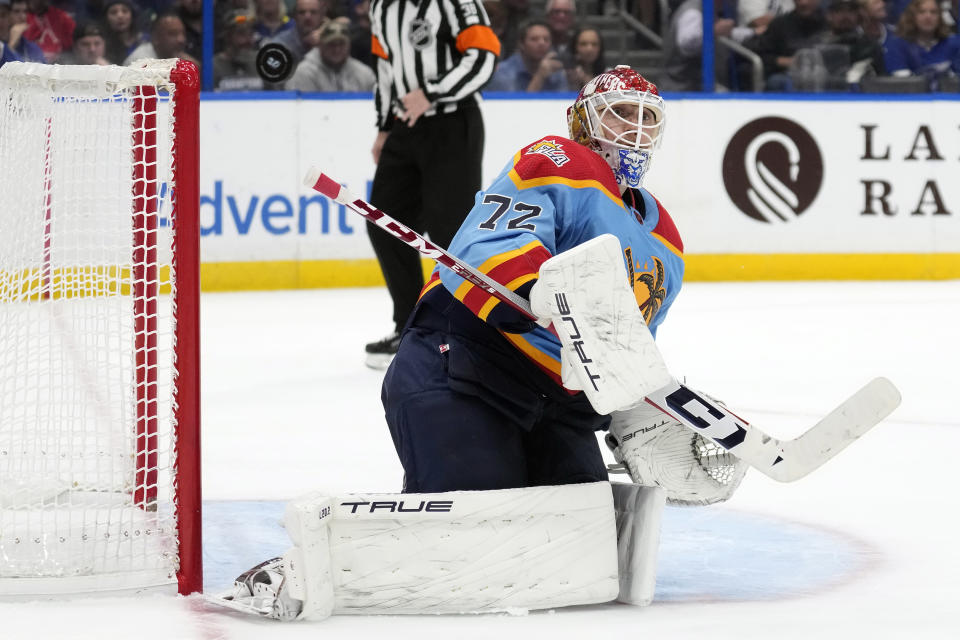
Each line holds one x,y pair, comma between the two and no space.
782,460
324,184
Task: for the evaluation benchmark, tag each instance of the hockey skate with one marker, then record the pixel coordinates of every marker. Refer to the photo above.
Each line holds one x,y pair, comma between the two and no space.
261,591
380,353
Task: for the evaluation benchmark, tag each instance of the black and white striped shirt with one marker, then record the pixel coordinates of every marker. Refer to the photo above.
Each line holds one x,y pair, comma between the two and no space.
445,47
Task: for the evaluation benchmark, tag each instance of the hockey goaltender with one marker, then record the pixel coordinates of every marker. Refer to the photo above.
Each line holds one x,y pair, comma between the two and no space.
503,375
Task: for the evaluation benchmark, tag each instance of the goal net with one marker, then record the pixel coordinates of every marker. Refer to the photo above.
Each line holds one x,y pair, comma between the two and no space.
99,289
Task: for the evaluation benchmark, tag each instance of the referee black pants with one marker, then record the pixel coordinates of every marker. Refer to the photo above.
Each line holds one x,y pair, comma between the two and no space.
427,178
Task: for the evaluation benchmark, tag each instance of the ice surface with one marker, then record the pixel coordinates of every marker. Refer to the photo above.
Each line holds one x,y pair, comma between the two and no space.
864,547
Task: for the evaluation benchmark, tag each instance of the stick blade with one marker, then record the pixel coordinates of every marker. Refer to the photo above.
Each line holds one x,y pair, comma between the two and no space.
868,406
841,427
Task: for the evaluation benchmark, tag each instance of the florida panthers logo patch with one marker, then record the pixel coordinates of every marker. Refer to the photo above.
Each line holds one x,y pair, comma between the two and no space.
552,149
647,282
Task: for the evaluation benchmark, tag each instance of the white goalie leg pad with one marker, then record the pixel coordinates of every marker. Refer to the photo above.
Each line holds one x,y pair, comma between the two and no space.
607,348
639,515
307,565
455,552
657,450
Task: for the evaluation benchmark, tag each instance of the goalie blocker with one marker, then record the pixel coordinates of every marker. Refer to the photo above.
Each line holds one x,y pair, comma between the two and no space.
459,552
607,350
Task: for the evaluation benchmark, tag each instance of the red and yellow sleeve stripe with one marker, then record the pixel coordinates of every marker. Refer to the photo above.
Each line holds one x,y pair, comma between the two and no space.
513,269
521,182
431,283
669,245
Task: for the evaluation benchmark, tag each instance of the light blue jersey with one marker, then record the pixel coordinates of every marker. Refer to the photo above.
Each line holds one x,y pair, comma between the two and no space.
554,195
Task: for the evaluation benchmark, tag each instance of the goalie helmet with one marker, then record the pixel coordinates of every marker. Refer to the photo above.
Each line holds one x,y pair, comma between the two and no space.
619,114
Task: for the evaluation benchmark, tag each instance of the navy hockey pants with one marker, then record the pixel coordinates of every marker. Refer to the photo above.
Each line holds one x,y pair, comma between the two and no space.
461,421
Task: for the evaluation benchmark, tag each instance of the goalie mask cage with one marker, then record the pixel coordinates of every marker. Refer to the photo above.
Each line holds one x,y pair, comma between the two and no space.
99,336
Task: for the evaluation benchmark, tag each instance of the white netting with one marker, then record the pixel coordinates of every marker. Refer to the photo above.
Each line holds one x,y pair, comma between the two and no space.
81,493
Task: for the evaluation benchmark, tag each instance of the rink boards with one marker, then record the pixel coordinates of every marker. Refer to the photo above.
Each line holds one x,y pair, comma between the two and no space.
814,187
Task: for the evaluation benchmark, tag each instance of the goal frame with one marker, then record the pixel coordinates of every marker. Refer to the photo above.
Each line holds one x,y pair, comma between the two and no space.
186,496
186,257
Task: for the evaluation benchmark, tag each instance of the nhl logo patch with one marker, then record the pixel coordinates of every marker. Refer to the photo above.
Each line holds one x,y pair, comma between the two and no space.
421,33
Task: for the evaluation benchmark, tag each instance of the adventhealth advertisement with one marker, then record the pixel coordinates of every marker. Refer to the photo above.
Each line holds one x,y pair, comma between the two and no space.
763,189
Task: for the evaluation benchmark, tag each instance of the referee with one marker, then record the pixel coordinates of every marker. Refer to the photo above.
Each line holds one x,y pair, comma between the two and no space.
432,58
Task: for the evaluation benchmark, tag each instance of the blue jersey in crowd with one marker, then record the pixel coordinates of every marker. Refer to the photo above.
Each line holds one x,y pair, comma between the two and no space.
554,195
7,54
512,75
902,54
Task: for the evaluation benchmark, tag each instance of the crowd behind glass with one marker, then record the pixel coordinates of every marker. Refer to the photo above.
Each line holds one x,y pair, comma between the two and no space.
551,45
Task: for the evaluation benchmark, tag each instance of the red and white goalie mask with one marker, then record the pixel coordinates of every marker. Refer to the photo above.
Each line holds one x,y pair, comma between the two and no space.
619,114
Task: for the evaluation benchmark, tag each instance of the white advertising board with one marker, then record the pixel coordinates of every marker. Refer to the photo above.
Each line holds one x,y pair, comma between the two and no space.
798,183
765,176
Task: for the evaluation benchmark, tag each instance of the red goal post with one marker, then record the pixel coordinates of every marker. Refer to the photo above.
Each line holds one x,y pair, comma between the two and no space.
99,329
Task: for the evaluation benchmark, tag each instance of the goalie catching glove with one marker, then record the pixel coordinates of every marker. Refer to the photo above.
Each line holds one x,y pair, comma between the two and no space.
656,450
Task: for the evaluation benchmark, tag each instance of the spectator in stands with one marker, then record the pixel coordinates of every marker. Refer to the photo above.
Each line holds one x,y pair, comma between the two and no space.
271,19
235,68
923,44
191,14
309,17
6,21
25,49
51,28
585,59
360,33
168,39
6,55
534,67
683,43
518,13
949,11
873,21
757,14
89,45
329,66
561,15
783,37
224,11
895,9
121,32
847,52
